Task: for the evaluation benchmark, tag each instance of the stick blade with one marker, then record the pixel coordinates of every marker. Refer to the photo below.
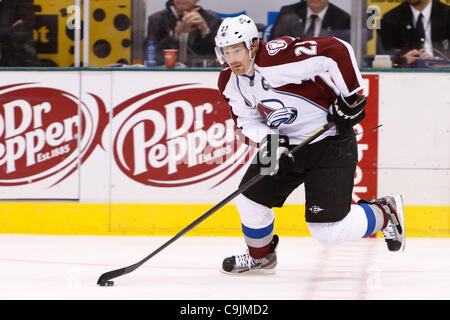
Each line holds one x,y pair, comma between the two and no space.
119,272
111,275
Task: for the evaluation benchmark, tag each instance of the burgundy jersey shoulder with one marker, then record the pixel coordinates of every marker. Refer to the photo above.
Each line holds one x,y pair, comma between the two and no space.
224,77
287,50
272,52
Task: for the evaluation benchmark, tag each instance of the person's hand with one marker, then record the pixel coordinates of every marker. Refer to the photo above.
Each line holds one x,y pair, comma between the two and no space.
346,115
17,23
411,56
191,21
424,54
415,54
194,20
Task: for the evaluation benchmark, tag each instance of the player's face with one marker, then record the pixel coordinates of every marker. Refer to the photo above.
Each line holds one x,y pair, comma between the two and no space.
237,58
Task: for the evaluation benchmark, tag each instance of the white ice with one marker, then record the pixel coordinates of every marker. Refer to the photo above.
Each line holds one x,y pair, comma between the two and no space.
67,267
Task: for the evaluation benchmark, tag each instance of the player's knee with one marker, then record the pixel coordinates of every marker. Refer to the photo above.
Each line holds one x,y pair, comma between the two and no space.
253,214
328,234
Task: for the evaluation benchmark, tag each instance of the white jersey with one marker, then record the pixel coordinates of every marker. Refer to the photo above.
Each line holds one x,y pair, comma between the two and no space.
294,83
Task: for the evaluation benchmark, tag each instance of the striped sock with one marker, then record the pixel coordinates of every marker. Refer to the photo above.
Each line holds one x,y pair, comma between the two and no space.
376,218
259,241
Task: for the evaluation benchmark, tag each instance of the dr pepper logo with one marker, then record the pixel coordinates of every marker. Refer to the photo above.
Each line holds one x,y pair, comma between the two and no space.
176,136
42,134
167,137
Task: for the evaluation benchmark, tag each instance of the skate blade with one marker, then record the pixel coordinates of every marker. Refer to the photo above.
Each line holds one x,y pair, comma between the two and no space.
401,216
251,272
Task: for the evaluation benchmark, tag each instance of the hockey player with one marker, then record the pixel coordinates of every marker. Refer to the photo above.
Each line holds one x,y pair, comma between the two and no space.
279,94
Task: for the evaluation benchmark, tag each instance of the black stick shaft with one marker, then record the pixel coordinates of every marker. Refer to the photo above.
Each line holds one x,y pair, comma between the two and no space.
119,272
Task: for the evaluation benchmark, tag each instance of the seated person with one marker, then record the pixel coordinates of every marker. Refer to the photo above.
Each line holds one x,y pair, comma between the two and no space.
312,18
184,26
17,47
416,29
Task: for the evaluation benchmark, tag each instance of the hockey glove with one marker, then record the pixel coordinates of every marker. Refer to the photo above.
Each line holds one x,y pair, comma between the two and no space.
274,156
346,112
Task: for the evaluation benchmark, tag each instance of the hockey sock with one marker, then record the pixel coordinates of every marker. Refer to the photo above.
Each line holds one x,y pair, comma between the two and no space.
259,253
259,241
376,218
257,226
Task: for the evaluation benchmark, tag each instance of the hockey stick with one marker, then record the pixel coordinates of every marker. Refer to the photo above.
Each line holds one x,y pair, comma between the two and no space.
105,278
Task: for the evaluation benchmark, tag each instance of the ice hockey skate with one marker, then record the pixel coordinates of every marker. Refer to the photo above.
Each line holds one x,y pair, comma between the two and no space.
394,232
245,263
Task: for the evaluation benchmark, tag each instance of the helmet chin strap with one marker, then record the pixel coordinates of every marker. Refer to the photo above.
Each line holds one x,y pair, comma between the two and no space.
252,61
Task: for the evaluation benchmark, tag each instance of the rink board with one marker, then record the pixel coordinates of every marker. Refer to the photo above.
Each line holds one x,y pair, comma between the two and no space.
169,219
89,152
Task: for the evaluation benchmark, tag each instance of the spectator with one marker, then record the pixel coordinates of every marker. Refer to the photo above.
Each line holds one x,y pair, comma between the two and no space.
184,26
17,47
416,29
312,18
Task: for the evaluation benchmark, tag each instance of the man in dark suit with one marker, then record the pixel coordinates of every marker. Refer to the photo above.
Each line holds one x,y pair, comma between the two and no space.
417,29
184,26
17,47
312,18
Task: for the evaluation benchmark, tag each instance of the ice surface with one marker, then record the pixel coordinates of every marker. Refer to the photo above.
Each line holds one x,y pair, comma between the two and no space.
67,267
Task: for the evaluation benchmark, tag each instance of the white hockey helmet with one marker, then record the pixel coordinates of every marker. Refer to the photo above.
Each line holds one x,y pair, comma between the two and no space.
235,30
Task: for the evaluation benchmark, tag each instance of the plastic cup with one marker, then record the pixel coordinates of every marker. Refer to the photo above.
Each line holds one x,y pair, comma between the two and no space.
170,57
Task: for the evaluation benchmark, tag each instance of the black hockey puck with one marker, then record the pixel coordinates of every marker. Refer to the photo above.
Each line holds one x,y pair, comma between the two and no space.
107,283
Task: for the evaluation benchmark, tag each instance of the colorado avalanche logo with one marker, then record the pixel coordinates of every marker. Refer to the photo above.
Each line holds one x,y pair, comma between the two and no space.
274,46
276,113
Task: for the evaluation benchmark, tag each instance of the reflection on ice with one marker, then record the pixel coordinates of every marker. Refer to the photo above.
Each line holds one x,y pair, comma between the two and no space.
67,267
